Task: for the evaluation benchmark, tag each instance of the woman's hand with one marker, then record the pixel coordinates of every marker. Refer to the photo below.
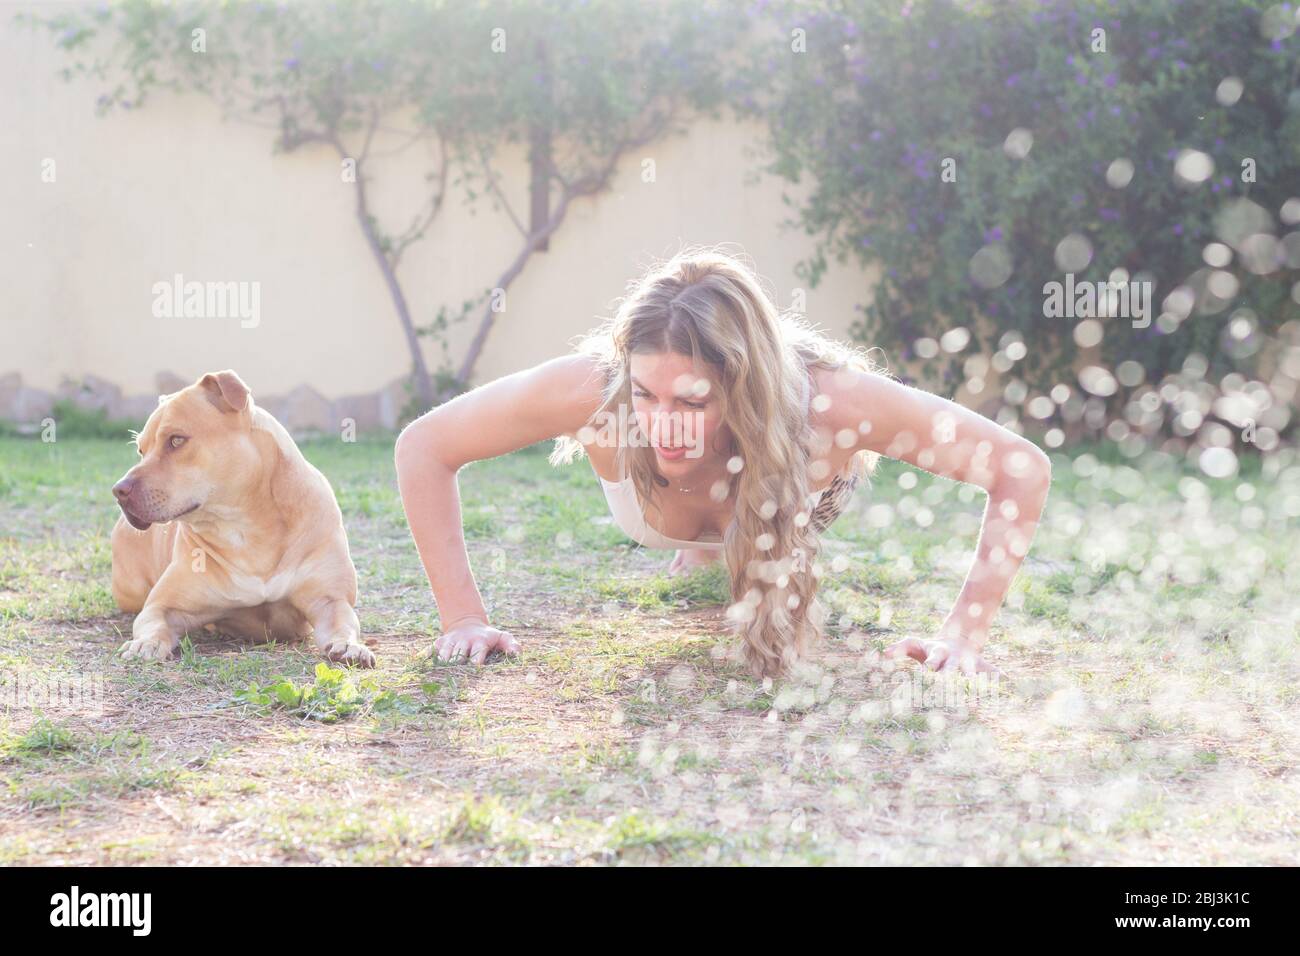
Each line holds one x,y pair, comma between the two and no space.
949,652
474,640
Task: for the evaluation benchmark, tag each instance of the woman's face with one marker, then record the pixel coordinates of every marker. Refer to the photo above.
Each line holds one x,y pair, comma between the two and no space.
677,408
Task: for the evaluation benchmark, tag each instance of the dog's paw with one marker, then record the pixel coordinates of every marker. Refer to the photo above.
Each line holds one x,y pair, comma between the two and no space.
343,652
146,649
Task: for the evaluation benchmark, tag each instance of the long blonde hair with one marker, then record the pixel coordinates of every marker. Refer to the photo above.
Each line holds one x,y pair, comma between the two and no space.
710,306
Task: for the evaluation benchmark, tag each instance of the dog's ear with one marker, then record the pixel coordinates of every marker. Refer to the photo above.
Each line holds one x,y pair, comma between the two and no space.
226,390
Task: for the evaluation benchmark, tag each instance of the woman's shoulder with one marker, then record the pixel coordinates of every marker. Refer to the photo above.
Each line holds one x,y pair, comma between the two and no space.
841,394
578,373
577,381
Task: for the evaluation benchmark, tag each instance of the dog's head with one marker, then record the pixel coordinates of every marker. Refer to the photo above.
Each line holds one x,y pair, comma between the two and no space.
196,450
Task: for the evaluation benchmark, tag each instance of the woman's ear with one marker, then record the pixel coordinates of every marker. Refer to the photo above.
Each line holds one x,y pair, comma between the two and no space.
226,390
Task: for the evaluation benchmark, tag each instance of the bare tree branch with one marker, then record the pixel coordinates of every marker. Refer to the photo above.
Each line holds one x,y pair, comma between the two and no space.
387,268
500,194
586,185
418,228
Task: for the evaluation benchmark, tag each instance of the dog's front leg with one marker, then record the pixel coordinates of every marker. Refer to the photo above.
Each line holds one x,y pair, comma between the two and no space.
157,630
338,632
172,608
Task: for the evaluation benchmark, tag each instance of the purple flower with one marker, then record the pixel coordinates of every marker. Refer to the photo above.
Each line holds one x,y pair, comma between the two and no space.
1108,215
1178,229
1111,80
993,235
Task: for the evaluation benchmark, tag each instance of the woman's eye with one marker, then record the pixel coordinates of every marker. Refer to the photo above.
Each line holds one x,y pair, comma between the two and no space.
177,441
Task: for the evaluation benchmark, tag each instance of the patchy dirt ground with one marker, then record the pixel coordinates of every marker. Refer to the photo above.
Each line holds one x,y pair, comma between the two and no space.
1147,714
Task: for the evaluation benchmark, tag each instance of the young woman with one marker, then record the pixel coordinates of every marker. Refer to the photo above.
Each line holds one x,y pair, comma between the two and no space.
720,428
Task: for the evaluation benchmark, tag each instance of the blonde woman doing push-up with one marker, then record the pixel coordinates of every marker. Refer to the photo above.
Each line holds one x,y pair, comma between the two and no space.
720,428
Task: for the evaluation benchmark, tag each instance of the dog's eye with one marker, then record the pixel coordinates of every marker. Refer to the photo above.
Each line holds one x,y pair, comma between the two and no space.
176,441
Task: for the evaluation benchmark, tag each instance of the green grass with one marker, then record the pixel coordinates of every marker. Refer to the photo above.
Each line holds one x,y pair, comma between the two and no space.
1150,646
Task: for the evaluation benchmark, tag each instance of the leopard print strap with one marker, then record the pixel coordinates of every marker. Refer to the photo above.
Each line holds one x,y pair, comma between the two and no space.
833,501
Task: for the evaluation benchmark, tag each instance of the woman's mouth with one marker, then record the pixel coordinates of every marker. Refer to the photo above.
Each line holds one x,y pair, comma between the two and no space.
671,454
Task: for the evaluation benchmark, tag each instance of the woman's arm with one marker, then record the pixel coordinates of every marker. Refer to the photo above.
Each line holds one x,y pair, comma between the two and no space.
554,398
948,439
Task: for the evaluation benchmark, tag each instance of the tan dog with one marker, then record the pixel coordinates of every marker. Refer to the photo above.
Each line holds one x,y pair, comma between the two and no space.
225,523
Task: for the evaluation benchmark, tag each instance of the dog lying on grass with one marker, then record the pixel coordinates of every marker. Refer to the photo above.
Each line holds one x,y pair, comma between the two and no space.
225,523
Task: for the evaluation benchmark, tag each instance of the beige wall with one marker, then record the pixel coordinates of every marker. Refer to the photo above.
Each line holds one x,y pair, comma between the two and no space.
174,188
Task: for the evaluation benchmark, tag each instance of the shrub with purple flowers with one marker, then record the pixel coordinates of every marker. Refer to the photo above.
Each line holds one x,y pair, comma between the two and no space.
880,127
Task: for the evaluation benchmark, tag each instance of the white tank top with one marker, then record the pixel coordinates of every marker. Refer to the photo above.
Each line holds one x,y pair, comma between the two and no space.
625,507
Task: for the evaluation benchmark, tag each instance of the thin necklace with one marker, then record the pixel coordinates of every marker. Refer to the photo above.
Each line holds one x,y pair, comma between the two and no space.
684,490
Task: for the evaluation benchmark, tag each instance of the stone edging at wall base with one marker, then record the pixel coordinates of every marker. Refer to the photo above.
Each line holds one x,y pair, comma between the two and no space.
303,410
